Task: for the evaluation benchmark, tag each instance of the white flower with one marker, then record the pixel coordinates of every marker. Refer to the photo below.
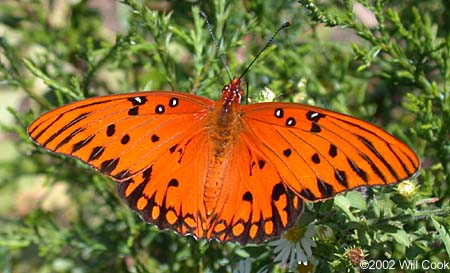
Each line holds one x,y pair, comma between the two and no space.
294,247
267,95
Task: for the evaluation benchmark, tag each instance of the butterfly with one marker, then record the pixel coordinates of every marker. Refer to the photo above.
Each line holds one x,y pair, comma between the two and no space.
221,169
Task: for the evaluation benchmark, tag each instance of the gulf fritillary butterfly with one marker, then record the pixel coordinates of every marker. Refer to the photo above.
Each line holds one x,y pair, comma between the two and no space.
219,169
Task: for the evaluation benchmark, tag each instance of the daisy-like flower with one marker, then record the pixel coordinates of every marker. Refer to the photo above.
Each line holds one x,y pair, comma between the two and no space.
308,268
294,247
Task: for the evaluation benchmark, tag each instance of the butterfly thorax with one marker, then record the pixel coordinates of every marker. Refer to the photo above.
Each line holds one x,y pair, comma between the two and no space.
223,127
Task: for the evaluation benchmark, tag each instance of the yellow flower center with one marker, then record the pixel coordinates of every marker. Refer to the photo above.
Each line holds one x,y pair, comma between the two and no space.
295,234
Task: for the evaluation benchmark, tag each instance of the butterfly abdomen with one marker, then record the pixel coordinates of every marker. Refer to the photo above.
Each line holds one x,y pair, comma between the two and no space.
223,128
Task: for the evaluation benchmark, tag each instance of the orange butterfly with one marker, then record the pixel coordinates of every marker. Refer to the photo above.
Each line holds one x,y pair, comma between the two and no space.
221,169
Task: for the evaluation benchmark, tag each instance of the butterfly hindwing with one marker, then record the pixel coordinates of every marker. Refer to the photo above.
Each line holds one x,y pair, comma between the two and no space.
169,193
254,203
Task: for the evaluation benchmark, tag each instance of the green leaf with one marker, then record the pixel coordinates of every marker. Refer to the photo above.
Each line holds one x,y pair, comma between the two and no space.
443,234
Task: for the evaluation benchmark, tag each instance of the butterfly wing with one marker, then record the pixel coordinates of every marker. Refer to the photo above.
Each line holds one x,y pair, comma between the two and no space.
169,193
254,204
141,140
320,153
120,135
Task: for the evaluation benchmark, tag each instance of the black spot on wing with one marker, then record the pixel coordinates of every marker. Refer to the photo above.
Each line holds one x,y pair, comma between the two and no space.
122,175
308,195
173,148
173,183
160,109
111,130
82,143
315,158
372,148
96,153
173,102
293,209
248,197
360,172
108,166
341,178
287,152
290,122
374,167
136,101
147,173
314,116
125,139
332,151
133,111
277,191
279,113
134,196
64,128
261,164
155,138
315,128
67,139
325,189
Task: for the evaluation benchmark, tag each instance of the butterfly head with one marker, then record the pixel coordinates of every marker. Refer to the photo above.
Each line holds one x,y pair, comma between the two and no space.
232,93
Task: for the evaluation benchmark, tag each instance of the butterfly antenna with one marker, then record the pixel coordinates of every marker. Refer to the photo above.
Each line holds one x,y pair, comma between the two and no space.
283,26
202,14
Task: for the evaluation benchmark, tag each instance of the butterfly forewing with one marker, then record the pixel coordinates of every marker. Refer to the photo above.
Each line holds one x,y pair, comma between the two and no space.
320,153
120,135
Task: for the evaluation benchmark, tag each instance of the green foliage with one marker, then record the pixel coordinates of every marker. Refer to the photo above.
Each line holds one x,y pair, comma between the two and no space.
57,215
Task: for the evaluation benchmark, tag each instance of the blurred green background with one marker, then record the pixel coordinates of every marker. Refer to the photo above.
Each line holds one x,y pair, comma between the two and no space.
386,62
